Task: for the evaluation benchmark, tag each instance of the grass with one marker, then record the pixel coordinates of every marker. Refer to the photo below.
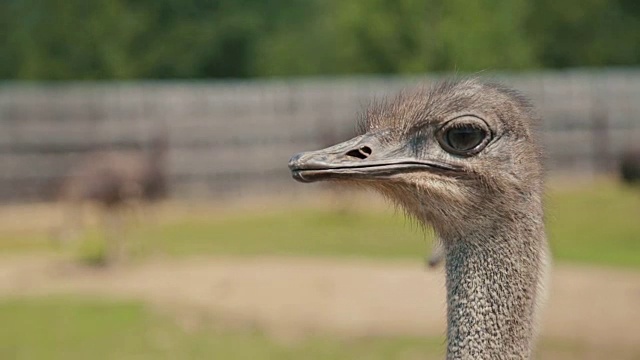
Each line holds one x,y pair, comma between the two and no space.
303,232
76,328
598,224
63,328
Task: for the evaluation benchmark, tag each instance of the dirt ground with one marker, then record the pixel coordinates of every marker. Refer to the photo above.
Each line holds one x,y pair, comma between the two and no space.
289,296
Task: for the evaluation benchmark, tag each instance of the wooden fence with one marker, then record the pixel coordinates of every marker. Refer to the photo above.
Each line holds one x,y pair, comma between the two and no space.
234,138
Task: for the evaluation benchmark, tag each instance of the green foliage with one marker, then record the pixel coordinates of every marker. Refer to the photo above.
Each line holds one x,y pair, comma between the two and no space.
129,39
72,39
586,32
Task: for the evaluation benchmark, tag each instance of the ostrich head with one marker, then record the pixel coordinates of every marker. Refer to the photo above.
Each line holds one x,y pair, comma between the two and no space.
458,153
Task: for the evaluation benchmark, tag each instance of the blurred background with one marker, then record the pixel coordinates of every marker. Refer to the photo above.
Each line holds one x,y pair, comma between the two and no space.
146,208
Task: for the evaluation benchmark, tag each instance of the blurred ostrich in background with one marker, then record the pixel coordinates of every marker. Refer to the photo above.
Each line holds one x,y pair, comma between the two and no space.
630,167
115,181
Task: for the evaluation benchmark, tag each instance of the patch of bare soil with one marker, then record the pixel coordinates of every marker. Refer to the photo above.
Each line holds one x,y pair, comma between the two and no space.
347,297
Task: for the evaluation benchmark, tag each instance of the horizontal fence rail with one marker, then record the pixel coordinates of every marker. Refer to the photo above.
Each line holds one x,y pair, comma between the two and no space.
235,138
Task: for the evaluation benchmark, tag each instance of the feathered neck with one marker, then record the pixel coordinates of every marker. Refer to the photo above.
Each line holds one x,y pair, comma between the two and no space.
495,281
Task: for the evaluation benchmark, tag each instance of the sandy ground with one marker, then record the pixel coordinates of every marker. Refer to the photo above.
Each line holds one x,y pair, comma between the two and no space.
289,296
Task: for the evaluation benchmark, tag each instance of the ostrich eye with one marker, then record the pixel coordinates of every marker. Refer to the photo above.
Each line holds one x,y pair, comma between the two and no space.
464,138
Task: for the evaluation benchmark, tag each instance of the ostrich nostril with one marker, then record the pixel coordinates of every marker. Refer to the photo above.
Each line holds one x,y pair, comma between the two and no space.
360,153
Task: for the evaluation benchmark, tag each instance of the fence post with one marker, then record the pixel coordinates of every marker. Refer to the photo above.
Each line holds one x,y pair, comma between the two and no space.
600,137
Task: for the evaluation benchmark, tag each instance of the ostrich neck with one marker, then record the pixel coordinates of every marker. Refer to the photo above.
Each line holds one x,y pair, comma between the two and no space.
494,279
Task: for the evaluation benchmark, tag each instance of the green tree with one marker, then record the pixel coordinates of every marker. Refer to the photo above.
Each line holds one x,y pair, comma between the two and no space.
160,39
70,39
401,36
586,32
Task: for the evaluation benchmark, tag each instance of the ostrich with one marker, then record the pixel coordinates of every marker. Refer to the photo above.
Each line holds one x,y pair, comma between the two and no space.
630,167
114,180
437,254
460,157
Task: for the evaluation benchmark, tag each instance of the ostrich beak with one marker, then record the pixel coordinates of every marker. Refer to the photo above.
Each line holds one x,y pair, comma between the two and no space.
365,157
